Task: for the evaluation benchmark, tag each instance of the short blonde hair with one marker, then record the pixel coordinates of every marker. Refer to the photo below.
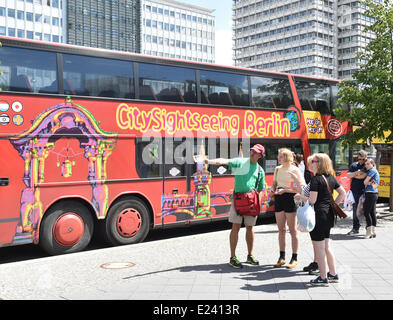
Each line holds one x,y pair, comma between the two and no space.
309,159
288,154
325,165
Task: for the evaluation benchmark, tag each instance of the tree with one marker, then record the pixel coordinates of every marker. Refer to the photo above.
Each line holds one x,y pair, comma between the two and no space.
370,91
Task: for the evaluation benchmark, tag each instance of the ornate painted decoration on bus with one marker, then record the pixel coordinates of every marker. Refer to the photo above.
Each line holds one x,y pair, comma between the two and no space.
159,120
201,203
64,120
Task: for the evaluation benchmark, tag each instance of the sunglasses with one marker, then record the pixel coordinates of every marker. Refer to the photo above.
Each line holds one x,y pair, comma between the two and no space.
362,159
314,161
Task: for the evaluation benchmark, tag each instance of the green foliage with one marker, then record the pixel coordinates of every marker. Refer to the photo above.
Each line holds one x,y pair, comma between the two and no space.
370,91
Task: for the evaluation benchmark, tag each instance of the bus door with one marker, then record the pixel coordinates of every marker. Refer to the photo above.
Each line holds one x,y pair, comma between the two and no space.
178,200
11,185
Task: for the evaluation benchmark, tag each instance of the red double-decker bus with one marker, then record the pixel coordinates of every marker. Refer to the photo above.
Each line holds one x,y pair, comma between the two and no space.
101,141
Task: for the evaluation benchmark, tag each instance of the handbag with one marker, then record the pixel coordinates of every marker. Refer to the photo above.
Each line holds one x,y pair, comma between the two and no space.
247,204
305,217
338,212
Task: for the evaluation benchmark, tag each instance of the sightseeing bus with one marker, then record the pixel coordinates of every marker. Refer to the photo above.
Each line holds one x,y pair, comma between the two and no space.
99,141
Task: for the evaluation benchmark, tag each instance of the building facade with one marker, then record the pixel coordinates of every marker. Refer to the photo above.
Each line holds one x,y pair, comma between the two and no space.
108,24
289,36
33,19
309,37
177,30
351,38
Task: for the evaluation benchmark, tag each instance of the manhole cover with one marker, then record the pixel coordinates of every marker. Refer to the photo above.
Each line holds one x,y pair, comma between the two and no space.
117,265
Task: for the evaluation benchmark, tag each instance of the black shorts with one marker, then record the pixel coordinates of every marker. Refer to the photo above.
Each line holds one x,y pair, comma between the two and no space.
323,223
320,233
284,202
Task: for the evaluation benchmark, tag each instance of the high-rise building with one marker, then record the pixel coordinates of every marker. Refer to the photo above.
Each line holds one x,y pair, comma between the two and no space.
309,37
33,19
104,24
286,35
177,30
351,38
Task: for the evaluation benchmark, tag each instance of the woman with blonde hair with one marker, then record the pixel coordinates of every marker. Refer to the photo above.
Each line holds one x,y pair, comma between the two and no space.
321,165
283,190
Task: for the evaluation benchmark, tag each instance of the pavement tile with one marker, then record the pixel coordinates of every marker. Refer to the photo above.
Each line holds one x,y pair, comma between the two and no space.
327,296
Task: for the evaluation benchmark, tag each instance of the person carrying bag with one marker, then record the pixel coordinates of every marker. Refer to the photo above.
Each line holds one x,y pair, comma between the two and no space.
249,181
248,203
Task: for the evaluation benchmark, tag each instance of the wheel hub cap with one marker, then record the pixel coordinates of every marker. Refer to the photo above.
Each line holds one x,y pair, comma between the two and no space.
68,229
129,222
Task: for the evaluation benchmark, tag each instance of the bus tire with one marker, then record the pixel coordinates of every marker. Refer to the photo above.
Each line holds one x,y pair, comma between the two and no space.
67,227
128,222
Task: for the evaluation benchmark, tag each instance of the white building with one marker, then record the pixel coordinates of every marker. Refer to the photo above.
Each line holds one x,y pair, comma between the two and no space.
177,30
33,19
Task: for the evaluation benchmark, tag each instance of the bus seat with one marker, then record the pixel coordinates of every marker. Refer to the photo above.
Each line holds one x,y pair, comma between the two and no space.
146,92
165,95
245,100
225,98
237,100
214,98
107,93
322,106
190,96
177,95
21,83
204,98
68,87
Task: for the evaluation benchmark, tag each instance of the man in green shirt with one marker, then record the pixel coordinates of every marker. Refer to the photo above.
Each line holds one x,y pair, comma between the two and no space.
246,175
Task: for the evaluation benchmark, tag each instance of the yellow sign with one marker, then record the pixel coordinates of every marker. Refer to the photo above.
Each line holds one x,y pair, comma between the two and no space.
384,182
374,140
314,125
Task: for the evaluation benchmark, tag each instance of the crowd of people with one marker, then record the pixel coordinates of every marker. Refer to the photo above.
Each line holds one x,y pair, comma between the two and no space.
293,181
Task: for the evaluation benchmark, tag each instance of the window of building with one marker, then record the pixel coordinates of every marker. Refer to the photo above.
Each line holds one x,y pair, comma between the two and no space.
271,93
224,88
99,77
166,83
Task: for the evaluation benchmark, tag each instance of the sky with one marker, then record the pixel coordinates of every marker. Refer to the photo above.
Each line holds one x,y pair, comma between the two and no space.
223,13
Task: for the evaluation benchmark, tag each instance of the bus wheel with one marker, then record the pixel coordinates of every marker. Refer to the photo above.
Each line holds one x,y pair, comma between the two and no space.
65,228
128,222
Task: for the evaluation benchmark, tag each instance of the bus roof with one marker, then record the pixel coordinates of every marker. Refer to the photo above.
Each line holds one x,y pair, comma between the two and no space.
115,54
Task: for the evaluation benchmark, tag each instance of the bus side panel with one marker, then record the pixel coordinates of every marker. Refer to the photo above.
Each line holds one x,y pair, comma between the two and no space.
11,186
341,176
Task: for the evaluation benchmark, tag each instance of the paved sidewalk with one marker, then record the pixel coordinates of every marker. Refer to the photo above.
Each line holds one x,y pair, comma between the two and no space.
196,267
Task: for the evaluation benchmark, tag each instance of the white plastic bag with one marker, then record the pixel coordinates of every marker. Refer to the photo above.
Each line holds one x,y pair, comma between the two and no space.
349,201
305,218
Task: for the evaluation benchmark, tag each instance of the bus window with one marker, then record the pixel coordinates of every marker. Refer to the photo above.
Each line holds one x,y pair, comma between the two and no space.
177,154
341,156
224,88
148,157
26,70
166,83
319,147
271,152
314,96
271,93
335,98
100,77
